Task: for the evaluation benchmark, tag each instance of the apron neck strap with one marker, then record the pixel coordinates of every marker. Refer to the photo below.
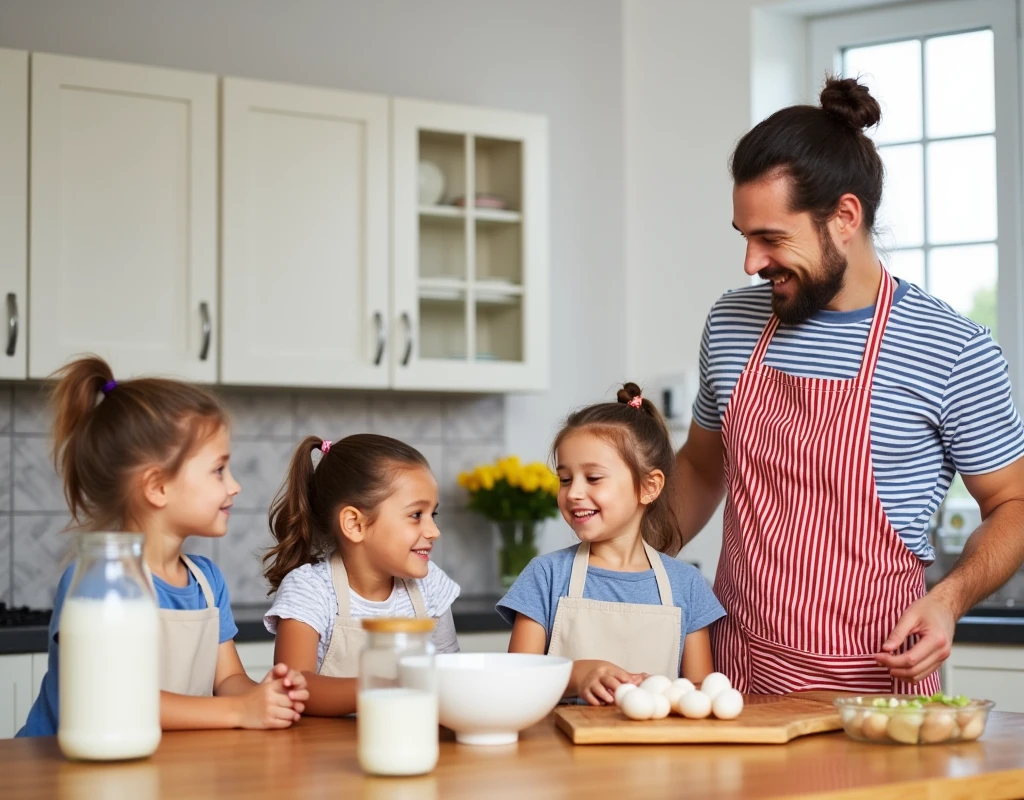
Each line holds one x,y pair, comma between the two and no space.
578,576
201,580
339,577
664,587
418,604
883,305
198,574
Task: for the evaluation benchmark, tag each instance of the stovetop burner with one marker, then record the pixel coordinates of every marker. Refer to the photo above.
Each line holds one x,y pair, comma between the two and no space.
23,616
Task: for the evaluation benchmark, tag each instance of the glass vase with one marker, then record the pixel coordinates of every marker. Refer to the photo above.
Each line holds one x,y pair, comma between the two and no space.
518,546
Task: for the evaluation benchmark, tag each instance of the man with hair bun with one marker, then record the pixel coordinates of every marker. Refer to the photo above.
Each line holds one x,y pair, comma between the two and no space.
836,404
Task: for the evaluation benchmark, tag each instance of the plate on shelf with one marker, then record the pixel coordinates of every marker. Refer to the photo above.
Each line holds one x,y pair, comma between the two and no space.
431,183
484,200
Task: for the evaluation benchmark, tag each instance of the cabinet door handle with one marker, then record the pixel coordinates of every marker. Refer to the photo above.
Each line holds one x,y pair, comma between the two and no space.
204,315
12,323
408,338
378,319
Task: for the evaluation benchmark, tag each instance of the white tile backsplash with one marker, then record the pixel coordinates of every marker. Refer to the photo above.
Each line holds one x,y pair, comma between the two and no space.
454,432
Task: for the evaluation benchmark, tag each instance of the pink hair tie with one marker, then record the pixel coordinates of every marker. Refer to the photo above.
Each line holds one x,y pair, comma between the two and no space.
325,446
636,402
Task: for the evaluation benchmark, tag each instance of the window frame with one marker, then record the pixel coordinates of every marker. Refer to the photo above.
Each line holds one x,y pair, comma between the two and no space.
829,35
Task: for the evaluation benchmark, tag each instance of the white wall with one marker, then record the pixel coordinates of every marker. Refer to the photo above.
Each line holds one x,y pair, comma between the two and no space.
562,59
687,78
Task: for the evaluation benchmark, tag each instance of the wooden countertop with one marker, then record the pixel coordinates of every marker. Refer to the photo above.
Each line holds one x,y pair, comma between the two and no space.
317,759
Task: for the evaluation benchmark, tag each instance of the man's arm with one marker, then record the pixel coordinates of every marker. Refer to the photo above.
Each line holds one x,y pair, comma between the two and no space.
990,557
698,485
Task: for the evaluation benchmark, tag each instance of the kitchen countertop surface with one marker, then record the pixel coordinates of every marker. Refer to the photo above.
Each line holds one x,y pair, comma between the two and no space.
472,614
317,758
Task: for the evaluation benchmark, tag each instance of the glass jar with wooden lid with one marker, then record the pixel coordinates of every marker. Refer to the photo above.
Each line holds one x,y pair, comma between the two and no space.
397,701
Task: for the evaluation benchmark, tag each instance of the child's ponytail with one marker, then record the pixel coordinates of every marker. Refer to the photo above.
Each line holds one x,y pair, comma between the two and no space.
292,519
73,398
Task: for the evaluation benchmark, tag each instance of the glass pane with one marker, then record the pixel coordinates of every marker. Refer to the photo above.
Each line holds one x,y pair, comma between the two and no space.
442,246
962,190
893,74
908,265
442,325
966,278
960,84
901,216
499,328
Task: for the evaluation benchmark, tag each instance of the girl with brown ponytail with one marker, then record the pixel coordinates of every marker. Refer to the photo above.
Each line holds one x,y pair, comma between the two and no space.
354,532
616,606
151,455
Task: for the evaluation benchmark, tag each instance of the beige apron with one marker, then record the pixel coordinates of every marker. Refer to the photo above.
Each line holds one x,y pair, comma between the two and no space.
348,637
635,636
189,642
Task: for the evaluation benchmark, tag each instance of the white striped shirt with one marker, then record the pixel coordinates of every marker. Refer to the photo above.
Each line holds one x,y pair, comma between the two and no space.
941,400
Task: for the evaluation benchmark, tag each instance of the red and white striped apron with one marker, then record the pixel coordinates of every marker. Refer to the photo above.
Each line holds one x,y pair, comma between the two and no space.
812,574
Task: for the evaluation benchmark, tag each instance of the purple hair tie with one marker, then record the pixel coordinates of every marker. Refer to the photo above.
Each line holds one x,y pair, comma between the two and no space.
109,386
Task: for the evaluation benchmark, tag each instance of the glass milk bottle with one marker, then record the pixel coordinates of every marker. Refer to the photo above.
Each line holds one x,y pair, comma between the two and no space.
109,642
397,701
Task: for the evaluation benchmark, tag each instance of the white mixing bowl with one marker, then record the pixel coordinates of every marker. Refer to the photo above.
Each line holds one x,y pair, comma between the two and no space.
487,698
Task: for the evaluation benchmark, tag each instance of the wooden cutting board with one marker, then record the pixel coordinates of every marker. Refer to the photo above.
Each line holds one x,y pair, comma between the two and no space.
766,719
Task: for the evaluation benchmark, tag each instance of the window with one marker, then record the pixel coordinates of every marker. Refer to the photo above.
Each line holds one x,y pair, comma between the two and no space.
946,76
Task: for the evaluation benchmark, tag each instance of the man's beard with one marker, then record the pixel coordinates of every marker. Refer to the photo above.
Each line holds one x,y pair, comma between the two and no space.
812,295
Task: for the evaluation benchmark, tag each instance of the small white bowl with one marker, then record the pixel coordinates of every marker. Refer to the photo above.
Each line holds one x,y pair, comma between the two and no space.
487,698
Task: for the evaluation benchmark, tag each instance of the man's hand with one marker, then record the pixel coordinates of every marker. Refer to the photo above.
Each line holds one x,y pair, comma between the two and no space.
933,621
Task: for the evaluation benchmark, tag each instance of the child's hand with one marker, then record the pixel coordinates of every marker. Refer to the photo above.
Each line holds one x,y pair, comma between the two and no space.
267,704
598,685
294,684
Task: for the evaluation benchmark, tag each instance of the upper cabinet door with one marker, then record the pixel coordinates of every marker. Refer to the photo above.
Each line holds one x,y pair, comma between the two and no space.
470,205
305,236
123,256
13,211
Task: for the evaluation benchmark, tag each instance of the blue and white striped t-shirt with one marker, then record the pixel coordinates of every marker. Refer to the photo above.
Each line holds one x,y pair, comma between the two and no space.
941,398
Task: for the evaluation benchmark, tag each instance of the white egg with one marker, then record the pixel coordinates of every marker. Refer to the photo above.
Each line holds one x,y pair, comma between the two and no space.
695,705
638,704
673,693
684,684
661,707
727,705
714,684
656,684
622,690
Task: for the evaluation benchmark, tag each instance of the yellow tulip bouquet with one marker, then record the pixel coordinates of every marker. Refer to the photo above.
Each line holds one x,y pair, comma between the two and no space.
515,497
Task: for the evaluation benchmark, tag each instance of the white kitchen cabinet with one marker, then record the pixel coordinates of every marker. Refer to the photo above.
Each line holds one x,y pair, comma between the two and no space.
989,672
470,279
16,692
123,208
13,211
305,268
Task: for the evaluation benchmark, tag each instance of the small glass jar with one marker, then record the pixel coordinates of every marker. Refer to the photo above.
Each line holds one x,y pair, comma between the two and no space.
397,700
109,639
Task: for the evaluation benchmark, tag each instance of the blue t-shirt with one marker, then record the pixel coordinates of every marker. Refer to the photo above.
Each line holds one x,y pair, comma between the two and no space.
42,717
536,592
